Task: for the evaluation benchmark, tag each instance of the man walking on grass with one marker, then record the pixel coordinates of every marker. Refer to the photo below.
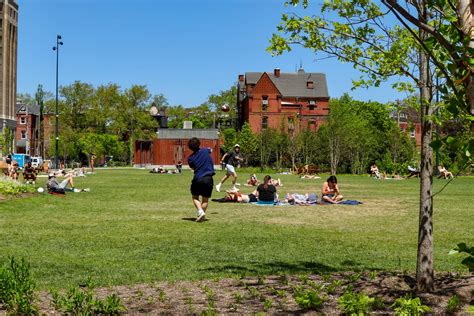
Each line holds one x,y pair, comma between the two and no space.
203,183
231,160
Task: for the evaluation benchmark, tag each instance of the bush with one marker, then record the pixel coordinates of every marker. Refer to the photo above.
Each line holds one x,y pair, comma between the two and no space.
308,299
353,303
409,306
17,288
82,302
12,188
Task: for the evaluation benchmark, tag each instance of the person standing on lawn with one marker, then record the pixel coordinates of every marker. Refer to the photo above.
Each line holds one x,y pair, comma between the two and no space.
231,160
203,183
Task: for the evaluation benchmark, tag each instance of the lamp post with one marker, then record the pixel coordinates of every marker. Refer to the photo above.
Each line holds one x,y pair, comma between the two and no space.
56,48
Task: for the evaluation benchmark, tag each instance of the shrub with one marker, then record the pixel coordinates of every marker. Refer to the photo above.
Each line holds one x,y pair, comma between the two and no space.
407,306
12,188
308,299
82,302
468,261
17,288
353,303
454,304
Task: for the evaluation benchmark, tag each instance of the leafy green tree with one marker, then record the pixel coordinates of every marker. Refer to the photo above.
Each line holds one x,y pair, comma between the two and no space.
161,102
230,139
249,145
76,100
362,36
176,116
215,101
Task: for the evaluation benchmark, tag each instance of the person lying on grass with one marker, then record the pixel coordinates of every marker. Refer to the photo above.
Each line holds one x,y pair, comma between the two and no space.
301,199
237,197
330,191
54,186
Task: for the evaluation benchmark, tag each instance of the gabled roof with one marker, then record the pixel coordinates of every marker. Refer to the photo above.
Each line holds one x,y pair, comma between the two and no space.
294,84
31,109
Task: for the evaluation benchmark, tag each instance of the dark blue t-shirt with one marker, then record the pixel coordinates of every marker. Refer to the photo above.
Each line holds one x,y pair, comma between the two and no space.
201,162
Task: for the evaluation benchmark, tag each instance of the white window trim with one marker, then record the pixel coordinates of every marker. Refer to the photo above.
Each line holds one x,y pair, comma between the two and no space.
23,120
22,136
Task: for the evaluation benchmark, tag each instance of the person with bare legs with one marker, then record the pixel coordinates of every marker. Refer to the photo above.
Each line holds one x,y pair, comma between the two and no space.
231,160
203,183
330,191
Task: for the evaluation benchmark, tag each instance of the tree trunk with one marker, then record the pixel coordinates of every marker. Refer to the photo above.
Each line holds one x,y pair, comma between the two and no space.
424,263
465,11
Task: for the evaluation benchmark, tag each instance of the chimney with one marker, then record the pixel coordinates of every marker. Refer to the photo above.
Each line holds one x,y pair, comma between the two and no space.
241,78
310,84
276,72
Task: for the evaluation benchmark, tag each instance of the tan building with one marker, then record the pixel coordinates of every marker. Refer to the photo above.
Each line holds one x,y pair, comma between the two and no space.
8,62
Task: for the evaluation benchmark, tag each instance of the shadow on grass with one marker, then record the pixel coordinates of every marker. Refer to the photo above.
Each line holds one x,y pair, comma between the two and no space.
274,267
192,219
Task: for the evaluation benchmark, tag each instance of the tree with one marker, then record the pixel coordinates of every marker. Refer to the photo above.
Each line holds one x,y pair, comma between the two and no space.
249,144
362,37
229,97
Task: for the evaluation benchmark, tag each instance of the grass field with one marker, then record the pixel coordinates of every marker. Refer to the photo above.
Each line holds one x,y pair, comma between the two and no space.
136,227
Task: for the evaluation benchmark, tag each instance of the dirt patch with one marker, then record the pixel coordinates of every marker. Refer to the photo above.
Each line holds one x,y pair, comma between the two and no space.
4,198
275,294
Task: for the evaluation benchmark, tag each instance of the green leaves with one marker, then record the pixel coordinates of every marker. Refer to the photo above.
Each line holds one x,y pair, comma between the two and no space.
463,248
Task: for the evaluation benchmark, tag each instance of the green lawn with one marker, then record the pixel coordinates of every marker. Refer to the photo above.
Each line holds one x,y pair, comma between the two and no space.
135,227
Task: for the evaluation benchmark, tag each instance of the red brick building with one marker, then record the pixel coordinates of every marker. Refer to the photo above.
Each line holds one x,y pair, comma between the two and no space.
293,100
28,130
409,121
171,146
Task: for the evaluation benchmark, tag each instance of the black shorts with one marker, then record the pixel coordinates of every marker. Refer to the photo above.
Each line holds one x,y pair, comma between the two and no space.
252,198
202,186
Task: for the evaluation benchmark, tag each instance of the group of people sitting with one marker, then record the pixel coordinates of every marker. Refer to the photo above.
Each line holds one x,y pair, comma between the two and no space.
266,193
29,172
253,182
412,172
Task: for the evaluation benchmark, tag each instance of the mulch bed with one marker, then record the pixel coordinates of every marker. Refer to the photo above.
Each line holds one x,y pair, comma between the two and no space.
274,294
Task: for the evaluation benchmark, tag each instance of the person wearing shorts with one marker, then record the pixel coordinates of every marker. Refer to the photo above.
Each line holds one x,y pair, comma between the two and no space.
203,183
330,191
231,158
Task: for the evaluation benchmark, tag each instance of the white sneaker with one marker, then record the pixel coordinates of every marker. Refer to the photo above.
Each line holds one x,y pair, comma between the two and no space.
218,187
77,190
200,216
87,190
235,189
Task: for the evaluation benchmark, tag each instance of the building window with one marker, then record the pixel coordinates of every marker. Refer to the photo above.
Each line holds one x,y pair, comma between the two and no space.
264,122
23,134
264,103
22,120
291,124
312,105
412,133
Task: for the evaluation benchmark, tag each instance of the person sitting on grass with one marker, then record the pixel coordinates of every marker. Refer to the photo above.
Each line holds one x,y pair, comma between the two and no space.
374,171
252,182
13,173
54,186
444,173
413,172
29,173
266,191
330,191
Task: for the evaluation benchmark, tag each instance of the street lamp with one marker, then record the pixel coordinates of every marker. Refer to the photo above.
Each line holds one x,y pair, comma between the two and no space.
56,48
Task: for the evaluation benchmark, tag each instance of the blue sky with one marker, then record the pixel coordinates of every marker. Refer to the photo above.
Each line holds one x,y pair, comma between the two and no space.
185,49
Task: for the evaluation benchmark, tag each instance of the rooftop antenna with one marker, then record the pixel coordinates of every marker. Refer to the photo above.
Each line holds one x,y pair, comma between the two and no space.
301,63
